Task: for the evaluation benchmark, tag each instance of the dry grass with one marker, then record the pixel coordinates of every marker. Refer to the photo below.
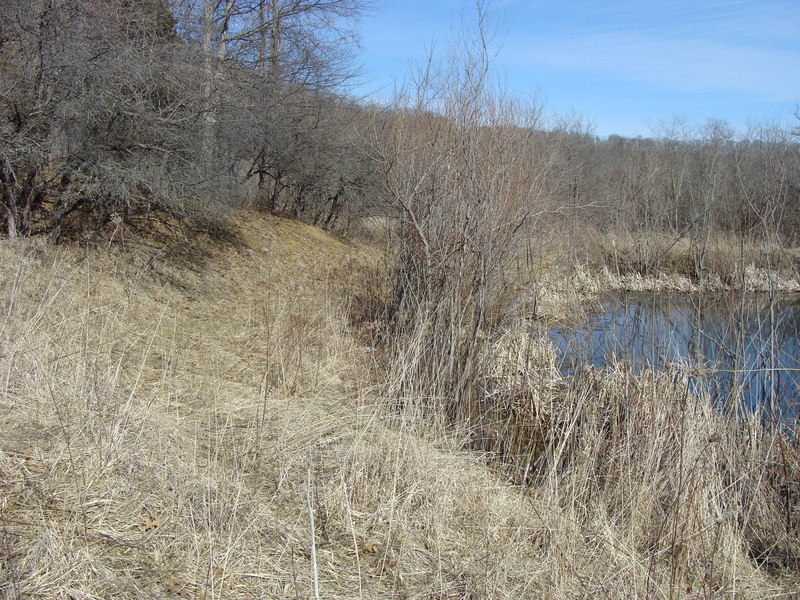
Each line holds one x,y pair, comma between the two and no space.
725,262
632,488
575,272
150,428
161,415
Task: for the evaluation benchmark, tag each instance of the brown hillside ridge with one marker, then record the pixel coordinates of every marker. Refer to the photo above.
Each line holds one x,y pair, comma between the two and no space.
176,406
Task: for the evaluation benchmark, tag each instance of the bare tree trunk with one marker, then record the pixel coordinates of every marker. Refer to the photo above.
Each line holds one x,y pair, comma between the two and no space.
207,91
263,36
275,34
213,57
9,200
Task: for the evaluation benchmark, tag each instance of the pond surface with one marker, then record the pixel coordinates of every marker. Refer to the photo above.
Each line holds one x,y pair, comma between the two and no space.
742,352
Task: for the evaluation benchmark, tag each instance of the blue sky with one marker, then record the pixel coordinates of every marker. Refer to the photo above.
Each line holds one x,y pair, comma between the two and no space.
625,65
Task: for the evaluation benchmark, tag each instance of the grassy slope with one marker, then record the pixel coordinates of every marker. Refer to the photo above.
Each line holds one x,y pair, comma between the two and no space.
163,403
159,402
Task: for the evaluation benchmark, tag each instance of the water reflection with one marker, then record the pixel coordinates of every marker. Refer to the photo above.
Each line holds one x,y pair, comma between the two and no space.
744,352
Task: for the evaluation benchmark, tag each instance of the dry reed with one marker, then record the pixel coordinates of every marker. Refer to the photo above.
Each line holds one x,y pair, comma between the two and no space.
160,419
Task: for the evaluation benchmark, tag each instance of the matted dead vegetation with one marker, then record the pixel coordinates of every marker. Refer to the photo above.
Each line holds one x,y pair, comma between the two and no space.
167,422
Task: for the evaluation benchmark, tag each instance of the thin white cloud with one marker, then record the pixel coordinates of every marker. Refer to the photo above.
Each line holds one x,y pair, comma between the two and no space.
678,64
722,46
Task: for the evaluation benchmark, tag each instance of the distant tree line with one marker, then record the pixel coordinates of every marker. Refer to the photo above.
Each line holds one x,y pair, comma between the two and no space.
693,185
113,107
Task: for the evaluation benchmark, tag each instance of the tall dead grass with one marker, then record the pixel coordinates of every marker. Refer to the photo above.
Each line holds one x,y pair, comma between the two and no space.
165,428
151,428
629,487
725,262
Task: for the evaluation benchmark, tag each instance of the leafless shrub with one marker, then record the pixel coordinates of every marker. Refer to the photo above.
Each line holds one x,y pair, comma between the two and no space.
97,117
452,151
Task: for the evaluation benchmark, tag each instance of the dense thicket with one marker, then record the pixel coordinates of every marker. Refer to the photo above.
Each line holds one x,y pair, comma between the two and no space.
93,112
191,107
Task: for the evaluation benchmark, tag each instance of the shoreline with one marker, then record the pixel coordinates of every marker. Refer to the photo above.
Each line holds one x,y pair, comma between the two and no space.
560,299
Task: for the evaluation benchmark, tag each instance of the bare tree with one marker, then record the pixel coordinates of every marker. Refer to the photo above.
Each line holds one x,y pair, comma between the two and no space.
796,130
453,154
284,60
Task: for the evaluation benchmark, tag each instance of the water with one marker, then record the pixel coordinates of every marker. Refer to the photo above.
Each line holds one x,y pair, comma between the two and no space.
742,353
